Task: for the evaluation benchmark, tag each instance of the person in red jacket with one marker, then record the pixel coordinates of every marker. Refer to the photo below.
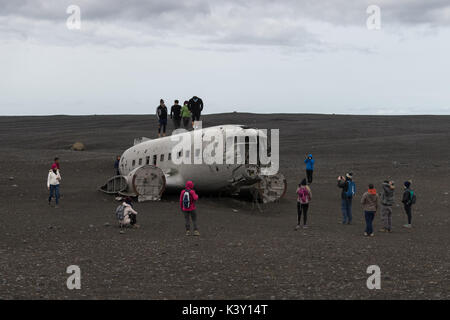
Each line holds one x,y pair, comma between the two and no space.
188,197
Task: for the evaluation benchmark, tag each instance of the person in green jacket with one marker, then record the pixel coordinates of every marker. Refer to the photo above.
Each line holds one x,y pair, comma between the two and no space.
186,115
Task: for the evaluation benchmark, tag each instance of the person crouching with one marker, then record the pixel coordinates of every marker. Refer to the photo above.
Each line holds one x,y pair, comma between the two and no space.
129,214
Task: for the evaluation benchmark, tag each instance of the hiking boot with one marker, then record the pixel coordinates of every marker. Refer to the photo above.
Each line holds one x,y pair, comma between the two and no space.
408,226
196,233
188,232
372,234
383,230
366,234
297,227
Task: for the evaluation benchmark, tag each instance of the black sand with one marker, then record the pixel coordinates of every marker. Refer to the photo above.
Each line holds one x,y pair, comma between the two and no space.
244,254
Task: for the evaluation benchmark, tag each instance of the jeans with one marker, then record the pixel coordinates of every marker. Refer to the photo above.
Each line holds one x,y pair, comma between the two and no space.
369,215
309,176
408,213
346,207
54,191
188,215
302,208
162,125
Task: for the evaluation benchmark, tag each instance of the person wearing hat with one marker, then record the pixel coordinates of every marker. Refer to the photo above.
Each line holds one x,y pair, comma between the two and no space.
348,191
409,198
387,201
304,197
53,180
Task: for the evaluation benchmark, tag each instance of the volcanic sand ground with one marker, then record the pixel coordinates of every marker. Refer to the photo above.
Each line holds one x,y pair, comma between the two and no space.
239,255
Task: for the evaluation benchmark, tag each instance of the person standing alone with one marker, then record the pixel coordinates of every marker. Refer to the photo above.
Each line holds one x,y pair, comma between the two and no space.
309,160
304,197
53,181
188,197
161,113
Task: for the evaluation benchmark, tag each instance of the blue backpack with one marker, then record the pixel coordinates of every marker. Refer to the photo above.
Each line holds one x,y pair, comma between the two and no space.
351,189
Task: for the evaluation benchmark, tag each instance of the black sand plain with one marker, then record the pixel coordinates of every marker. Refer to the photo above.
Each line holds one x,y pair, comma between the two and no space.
239,255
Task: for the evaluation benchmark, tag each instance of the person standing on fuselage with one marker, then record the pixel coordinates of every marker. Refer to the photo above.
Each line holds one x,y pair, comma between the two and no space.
161,113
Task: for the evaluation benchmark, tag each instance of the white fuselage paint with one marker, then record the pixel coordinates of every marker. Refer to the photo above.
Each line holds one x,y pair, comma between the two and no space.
208,177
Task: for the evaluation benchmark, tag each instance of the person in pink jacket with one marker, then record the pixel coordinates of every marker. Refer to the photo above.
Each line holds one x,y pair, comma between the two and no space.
188,197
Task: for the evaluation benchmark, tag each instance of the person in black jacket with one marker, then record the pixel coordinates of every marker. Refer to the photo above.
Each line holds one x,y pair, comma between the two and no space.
196,108
408,199
161,113
175,115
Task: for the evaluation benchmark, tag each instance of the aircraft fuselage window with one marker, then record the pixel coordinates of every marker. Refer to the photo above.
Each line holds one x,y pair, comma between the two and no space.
134,163
140,161
161,158
188,153
169,157
147,160
154,159
179,154
197,153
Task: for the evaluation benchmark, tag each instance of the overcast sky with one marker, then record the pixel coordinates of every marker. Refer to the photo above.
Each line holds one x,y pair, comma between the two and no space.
263,56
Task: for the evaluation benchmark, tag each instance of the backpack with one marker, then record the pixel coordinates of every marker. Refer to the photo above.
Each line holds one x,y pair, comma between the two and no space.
303,195
186,199
412,197
120,212
351,189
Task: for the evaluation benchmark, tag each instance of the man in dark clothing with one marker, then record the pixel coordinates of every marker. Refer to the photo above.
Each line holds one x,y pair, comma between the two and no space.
348,189
196,108
161,113
387,200
175,115
409,198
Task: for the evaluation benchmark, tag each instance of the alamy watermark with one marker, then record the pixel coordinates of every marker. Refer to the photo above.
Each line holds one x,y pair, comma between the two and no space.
374,20
374,281
229,146
74,20
74,280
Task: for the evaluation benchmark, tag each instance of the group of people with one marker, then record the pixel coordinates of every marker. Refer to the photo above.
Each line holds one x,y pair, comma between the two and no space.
184,115
370,200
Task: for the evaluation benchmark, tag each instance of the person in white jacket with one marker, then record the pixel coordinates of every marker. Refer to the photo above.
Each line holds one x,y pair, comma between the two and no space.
129,214
53,180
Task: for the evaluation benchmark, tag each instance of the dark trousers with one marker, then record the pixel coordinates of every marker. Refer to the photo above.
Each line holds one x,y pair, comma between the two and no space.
176,123
133,219
190,215
54,191
302,208
195,116
309,176
346,207
162,125
186,122
369,215
408,213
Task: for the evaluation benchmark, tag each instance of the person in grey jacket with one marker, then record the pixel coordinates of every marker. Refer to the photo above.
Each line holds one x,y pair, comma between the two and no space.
369,202
387,201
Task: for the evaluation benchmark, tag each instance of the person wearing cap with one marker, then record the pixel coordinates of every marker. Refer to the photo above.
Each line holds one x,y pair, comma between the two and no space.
369,202
309,160
345,183
387,201
304,197
408,199
53,180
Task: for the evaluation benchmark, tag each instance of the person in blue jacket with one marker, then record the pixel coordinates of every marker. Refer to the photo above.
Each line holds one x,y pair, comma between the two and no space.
309,160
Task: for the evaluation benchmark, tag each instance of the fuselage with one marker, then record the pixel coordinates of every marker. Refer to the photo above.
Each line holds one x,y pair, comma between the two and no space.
230,164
